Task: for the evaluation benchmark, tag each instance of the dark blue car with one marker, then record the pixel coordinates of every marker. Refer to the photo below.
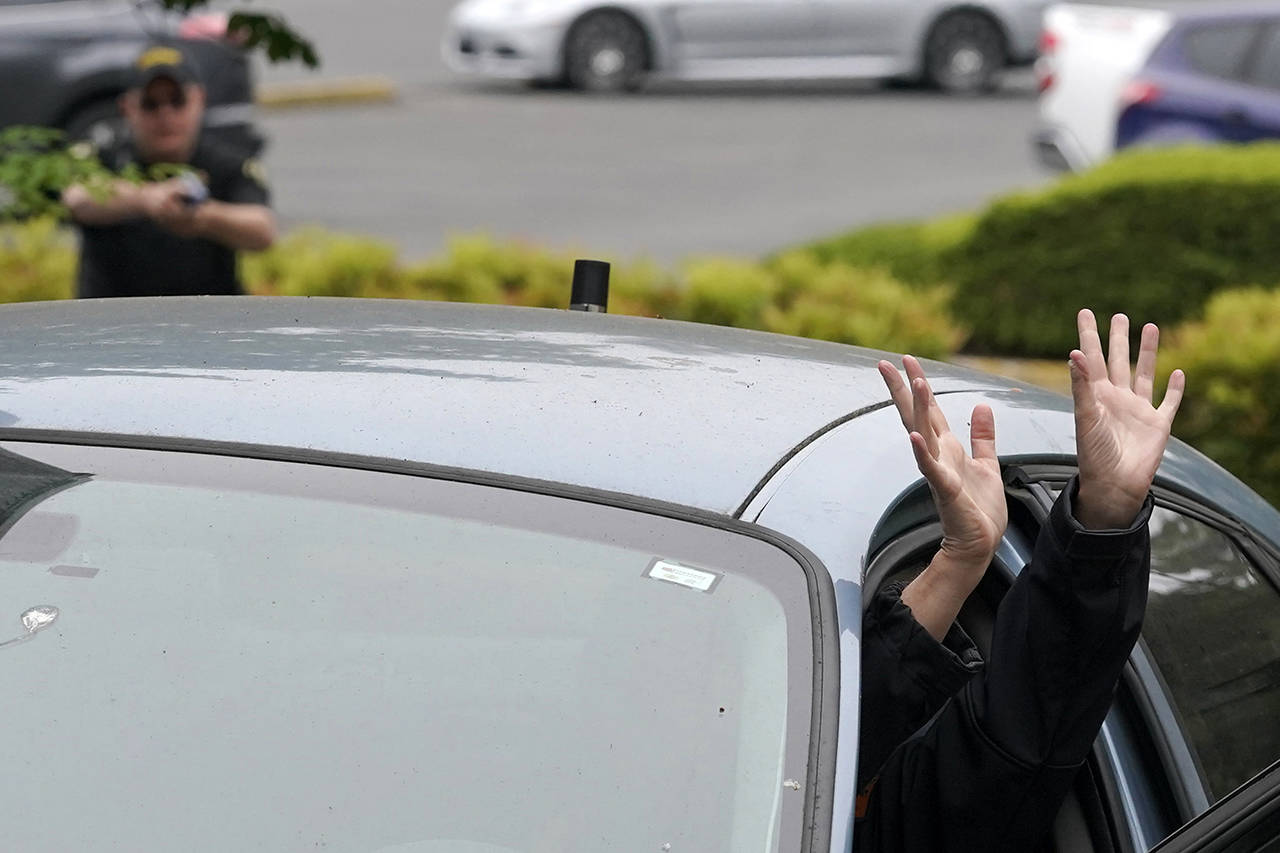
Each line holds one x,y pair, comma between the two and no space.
1215,77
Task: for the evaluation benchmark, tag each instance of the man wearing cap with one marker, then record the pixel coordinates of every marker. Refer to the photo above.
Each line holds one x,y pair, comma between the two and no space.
177,236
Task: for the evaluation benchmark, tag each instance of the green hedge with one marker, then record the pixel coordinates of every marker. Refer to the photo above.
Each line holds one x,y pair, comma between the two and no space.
915,252
1232,360
855,305
37,262
1152,233
794,293
316,262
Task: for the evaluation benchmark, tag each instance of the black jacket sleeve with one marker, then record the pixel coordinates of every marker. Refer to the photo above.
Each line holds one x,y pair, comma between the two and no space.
989,772
906,677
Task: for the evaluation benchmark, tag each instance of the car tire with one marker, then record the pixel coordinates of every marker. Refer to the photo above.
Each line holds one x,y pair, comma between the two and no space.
98,122
606,52
964,53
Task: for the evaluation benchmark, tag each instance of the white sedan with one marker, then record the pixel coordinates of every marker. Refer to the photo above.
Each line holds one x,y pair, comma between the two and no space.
1089,55
958,47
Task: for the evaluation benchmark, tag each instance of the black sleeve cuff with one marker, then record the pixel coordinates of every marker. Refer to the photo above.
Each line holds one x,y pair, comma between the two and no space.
1094,546
938,669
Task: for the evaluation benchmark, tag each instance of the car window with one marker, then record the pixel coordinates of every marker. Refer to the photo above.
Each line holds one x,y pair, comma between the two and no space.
1213,627
274,656
1219,50
1266,64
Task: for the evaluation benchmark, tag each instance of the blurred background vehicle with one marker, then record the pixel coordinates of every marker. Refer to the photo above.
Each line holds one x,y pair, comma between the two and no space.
65,62
1088,54
1112,78
1214,78
958,47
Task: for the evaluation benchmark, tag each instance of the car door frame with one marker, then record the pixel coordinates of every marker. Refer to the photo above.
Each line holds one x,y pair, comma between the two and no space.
1154,705
1227,825
1172,774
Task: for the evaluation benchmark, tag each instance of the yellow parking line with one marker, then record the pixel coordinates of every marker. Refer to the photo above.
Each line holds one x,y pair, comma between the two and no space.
343,90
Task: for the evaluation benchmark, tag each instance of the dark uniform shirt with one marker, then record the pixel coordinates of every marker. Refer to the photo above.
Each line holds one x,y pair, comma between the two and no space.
139,258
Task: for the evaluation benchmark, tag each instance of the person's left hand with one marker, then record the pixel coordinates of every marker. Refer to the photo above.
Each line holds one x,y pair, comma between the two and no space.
968,491
1120,435
171,212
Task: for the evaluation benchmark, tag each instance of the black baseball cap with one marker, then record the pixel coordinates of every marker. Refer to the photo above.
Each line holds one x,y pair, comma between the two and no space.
163,61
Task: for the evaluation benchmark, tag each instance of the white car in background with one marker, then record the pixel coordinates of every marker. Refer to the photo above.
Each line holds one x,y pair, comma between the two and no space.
1088,56
1201,73
957,46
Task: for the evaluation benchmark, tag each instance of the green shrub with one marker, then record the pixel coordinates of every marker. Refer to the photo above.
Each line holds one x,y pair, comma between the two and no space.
474,269
644,289
1152,233
37,262
315,262
477,269
867,307
794,293
914,252
1232,362
726,292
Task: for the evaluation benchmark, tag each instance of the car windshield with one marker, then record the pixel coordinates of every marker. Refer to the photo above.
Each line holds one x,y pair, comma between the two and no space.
252,655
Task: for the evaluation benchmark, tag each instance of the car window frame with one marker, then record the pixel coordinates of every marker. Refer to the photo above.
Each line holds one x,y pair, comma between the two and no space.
1163,726
910,526
1254,805
1240,74
821,762
1267,29
911,530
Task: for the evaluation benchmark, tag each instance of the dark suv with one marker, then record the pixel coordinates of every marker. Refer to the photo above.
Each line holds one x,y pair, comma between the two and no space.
1214,78
64,63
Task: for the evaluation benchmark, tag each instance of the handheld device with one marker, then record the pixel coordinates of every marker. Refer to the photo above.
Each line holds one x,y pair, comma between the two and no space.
193,189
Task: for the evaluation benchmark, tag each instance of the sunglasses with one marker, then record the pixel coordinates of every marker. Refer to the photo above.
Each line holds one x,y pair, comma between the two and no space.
151,105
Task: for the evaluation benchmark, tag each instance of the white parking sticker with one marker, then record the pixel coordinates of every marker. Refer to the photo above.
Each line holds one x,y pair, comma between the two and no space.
672,572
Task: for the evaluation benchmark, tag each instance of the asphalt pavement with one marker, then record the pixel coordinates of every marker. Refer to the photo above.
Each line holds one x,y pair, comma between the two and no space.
666,173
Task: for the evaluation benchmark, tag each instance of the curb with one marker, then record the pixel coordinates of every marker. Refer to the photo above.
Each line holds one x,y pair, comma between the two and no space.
343,90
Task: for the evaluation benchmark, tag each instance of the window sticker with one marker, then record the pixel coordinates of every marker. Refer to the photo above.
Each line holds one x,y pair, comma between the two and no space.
678,573
74,571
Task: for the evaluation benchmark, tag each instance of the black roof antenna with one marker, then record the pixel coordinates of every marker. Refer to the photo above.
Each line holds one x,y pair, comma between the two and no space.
590,286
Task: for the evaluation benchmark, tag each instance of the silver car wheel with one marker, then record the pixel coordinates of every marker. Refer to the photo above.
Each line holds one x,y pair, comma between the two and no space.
606,52
967,62
964,52
608,61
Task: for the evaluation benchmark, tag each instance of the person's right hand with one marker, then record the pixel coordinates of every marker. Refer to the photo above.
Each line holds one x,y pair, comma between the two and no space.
968,491
1120,434
159,197
166,206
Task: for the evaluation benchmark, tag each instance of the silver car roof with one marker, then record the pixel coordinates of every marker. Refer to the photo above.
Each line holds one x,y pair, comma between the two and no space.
682,412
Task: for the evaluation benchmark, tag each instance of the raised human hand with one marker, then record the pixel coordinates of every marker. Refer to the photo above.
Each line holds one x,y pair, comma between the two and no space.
155,197
1120,435
967,491
168,209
